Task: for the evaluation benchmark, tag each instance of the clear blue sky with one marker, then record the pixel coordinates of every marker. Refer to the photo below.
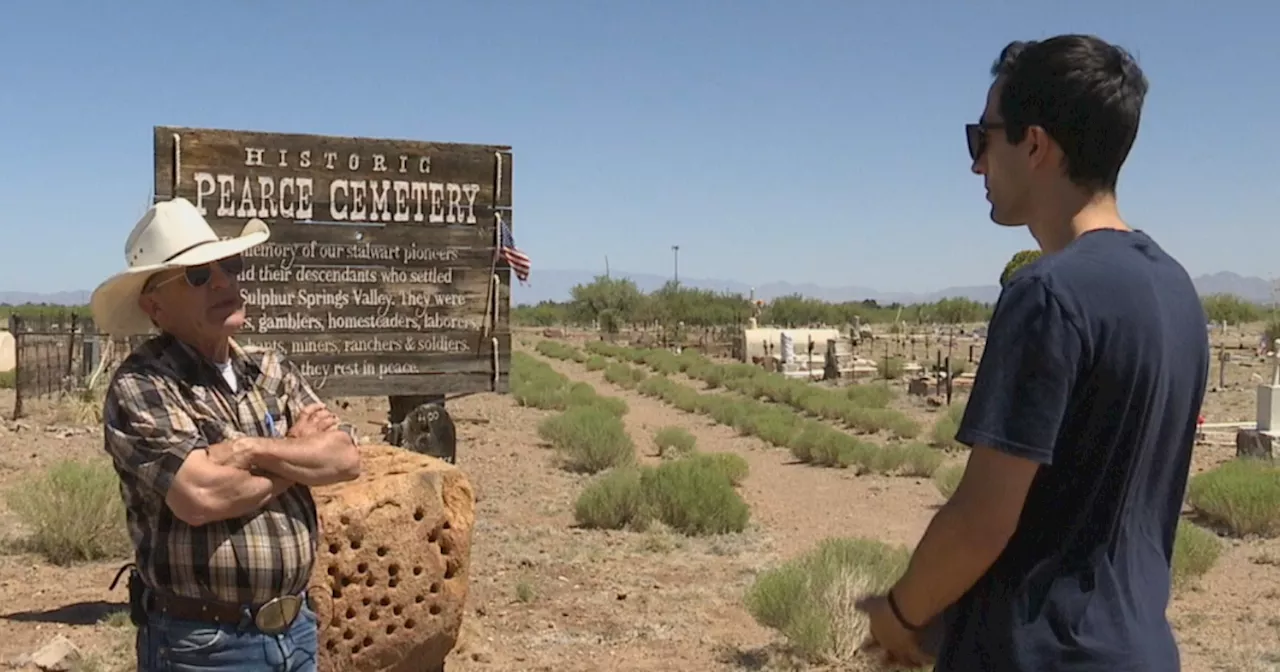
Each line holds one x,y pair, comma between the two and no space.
811,140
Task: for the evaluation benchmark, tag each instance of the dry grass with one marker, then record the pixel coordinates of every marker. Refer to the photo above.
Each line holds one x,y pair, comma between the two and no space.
1242,496
72,512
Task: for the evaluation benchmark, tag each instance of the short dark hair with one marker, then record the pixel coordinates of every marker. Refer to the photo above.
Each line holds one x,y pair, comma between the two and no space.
1087,94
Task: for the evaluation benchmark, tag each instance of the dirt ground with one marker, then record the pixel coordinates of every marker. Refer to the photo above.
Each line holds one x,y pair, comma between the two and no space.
547,596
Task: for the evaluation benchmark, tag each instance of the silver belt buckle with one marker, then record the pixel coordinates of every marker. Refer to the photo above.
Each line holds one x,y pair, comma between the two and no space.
277,614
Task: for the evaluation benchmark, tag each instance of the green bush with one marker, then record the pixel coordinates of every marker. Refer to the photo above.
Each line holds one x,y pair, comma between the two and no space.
694,497
673,441
890,368
596,363
810,599
7,380
1242,495
582,394
623,376
947,479
1195,549
558,350
946,426
613,501
733,466
72,512
589,439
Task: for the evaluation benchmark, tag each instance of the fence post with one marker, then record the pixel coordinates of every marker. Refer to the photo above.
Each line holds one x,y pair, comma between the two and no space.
71,344
15,328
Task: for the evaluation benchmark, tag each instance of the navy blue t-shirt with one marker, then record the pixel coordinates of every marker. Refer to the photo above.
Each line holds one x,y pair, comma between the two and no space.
1095,368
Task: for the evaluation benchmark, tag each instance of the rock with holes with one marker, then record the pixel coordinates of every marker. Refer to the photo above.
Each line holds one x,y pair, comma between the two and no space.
391,572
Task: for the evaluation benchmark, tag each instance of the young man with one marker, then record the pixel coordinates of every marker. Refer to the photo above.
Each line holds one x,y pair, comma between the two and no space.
216,447
1053,553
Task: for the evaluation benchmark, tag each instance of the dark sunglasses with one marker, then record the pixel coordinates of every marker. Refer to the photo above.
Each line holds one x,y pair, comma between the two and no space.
198,276
976,136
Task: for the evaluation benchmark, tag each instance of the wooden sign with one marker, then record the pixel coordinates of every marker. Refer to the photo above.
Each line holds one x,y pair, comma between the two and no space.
379,277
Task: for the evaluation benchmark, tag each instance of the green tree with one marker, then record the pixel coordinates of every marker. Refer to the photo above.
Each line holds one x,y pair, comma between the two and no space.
1230,308
1019,260
611,301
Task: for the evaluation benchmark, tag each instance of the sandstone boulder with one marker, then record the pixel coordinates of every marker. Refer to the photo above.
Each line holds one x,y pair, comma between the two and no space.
391,573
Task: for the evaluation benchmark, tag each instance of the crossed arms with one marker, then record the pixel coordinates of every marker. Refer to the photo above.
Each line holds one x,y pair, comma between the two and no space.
163,447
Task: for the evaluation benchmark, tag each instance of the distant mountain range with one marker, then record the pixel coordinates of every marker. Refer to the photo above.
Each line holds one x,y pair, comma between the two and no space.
554,285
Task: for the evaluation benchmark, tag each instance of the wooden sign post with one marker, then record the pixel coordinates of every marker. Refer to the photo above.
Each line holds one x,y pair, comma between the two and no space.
379,277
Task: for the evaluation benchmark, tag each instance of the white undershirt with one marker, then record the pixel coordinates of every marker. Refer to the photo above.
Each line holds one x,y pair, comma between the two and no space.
229,375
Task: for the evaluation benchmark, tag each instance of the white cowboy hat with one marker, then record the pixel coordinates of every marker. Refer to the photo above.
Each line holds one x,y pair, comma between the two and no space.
172,234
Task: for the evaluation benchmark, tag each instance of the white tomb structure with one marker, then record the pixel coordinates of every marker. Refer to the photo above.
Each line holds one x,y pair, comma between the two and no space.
1269,396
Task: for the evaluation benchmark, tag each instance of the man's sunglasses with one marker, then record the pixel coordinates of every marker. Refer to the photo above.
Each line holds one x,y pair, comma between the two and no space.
976,136
199,276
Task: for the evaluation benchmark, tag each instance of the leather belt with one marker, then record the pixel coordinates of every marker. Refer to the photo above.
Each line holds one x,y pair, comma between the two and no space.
272,617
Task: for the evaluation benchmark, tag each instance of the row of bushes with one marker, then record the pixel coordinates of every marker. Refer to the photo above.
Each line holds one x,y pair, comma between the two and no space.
588,434
693,493
810,441
863,408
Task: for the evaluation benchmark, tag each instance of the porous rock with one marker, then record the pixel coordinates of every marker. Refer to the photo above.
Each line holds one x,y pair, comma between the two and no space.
391,574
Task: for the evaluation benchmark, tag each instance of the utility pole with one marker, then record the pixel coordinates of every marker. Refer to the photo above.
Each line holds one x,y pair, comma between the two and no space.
675,250
606,266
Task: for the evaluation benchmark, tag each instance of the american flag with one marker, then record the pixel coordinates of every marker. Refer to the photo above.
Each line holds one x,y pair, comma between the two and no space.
507,250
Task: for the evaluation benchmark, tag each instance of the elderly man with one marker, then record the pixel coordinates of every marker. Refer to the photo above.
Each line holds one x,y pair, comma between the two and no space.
216,446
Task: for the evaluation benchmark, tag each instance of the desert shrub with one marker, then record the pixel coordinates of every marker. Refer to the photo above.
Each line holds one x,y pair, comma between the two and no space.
869,395
733,466
535,384
72,512
7,379
872,420
1271,332
911,459
1195,549
1242,495
556,350
582,394
694,497
947,479
596,363
623,376
613,501
810,599
589,438
890,368
824,446
673,441
946,426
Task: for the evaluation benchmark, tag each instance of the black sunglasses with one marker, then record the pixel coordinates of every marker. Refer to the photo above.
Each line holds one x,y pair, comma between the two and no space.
198,276
976,136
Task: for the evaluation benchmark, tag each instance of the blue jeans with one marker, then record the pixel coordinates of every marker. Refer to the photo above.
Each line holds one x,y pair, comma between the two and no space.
167,644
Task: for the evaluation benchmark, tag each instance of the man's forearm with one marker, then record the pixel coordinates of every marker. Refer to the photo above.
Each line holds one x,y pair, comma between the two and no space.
253,494
320,459
953,554
205,491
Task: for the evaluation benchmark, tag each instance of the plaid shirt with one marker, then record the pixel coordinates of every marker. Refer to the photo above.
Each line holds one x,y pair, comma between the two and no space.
166,401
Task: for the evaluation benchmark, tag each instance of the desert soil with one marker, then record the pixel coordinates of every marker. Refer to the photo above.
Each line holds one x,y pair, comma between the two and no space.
547,596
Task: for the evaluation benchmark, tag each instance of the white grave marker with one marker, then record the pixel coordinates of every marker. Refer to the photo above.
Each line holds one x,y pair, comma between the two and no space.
1269,395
